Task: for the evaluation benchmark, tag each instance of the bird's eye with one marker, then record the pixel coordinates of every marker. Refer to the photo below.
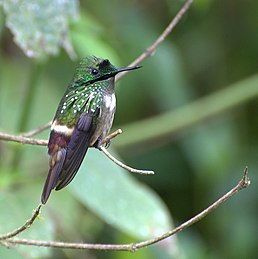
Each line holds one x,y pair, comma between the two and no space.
94,72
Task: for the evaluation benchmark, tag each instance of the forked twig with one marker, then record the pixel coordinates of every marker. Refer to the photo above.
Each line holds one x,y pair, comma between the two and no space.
25,140
244,182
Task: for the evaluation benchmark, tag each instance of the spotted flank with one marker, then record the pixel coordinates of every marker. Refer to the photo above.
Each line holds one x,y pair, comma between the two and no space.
74,103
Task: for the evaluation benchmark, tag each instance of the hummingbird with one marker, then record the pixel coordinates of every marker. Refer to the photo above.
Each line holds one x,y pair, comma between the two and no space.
83,119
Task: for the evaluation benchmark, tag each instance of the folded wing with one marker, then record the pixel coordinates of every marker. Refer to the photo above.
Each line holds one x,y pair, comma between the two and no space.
68,160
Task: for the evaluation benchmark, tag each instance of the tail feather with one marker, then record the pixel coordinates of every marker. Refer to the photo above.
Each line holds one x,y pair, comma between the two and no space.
53,175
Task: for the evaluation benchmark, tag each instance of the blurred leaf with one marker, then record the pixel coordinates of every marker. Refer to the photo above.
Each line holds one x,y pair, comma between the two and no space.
10,253
168,87
16,207
87,38
213,156
168,123
193,246
120,200
202,5
40,26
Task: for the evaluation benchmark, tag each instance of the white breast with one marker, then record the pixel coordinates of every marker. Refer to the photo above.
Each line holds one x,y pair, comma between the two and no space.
110,102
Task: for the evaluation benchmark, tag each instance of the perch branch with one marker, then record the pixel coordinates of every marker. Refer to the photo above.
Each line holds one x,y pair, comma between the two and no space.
41,142
22,228
244,182
22,139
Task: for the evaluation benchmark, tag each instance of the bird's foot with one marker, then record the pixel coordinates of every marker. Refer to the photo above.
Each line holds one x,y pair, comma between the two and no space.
98,144
107,144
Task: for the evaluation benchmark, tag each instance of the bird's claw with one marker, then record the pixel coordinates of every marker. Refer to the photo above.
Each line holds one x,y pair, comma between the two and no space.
107,144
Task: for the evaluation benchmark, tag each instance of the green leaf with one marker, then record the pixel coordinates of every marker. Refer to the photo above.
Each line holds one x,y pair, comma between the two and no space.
40,26
115,196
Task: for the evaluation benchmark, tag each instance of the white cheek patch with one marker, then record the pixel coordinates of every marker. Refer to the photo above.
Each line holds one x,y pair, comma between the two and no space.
110,102
62,129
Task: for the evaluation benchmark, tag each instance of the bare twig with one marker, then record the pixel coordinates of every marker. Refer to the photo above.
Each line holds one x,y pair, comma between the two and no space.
126,167
244,182
37,131
110,136
160,39
22,140
41,142
119,163
22,228
134,247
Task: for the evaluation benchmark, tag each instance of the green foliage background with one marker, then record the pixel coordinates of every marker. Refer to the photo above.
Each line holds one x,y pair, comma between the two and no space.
190,114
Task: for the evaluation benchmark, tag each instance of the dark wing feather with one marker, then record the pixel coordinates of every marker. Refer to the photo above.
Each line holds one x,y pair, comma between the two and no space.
76,149
53,175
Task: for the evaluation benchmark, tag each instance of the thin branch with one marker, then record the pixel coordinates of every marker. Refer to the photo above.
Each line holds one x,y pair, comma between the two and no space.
22,140
149,51
41,142
126,167
245,182
37,131
110,136
24,227
116,161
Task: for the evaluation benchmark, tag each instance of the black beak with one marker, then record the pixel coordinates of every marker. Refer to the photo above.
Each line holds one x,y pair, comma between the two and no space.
118,71
126,69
